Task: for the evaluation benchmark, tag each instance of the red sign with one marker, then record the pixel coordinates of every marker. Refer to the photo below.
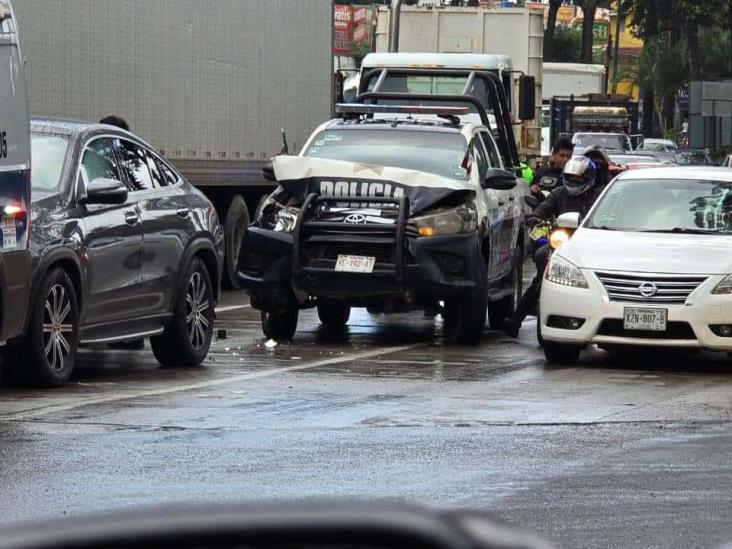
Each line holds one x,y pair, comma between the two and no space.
343,30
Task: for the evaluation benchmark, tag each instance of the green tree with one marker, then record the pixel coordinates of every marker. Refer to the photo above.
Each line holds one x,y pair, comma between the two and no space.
551,25
567,41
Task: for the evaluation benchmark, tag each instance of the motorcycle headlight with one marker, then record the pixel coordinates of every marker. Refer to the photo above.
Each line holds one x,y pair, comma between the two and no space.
463,219
724,287
561,271
558,238
274,216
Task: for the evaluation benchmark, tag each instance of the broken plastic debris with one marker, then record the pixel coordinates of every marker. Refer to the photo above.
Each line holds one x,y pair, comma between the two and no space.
221,333
295,358
270,344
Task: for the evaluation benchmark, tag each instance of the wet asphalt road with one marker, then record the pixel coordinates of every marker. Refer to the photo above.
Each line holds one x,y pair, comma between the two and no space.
613,452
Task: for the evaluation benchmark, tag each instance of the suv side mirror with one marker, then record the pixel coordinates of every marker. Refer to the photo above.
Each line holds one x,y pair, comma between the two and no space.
500,180
268,172
569,220
105,191
527,97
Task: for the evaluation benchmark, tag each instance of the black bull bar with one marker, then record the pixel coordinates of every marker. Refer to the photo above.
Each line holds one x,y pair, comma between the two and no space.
310,231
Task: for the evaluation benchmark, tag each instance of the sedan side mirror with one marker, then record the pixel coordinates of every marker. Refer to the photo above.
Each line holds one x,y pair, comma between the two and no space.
105,191
569,220
268,172
500,180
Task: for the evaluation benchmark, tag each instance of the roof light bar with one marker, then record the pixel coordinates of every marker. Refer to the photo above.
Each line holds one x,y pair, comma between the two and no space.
360,108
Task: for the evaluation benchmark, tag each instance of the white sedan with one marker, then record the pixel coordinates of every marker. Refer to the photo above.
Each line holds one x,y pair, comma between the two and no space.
649,266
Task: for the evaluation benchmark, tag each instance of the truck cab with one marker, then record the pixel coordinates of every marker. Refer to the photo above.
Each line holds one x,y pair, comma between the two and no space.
15,162
487,78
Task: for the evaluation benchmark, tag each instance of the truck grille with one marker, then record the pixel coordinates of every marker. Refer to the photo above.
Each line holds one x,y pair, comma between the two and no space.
649,288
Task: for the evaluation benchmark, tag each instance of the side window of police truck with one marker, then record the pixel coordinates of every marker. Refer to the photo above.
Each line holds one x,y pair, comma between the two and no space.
479,158
491,149
134,164
99,161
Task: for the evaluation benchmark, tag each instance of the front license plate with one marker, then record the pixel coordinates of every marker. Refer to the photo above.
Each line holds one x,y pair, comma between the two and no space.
355,264
653,320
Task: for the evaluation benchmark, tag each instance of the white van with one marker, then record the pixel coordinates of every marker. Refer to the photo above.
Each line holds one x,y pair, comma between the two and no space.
15,163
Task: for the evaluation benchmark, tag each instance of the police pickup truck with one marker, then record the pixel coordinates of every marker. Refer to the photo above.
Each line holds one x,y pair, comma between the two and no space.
395,208
15,263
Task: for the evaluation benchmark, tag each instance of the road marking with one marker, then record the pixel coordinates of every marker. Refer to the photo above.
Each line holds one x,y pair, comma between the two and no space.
29,414
231,308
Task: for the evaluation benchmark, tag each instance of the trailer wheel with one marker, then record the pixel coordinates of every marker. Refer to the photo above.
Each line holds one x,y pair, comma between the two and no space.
236,222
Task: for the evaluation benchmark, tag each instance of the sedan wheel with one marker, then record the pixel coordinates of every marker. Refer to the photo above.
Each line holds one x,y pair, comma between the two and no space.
197,303
186,340
53,331
57,328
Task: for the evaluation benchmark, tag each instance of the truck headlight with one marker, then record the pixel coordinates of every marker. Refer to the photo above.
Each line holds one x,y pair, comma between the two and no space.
463,219
724,287
561,271
274,216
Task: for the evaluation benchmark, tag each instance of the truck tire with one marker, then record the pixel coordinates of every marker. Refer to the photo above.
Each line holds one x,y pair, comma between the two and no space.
465,319
558,353
333,313
236,220
280,324
186,340
503,309
50,346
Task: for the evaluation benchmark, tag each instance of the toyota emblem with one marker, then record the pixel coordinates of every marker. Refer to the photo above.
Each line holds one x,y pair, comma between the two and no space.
355,219
647,289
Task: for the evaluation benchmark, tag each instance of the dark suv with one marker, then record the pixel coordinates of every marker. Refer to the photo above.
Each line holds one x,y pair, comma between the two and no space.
122,248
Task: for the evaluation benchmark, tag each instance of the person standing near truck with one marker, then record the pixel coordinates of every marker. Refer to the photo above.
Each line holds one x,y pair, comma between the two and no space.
546,179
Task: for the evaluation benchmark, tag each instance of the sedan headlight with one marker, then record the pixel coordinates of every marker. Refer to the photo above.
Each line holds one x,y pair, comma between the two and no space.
463,219
724,287
274,216
561,271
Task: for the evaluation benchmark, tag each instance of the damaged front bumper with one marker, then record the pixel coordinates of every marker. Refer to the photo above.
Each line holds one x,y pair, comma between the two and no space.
276,265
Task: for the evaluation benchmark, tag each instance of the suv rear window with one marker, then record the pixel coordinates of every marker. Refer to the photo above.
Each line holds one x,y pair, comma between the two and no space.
439,153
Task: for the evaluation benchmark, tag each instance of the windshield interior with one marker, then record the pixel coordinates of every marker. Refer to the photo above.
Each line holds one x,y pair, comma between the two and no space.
433,84
439,153
665,205
47,155
608,141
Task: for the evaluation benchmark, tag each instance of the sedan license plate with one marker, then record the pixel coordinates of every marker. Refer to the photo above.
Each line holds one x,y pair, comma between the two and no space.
355,264
653,320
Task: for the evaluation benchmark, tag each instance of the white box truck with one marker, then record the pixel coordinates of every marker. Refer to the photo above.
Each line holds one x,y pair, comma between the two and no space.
210,84
565,79
514,32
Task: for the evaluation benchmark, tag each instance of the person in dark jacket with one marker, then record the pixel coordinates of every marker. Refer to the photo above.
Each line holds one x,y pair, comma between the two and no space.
578,193
549,177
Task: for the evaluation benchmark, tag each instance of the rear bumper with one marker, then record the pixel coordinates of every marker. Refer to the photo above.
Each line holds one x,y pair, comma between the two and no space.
441,266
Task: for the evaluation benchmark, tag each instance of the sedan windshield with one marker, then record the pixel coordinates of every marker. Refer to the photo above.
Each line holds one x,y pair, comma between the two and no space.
47,157
665,206
439,153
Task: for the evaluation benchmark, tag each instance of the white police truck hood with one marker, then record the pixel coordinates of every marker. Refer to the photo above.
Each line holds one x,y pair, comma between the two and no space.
300,176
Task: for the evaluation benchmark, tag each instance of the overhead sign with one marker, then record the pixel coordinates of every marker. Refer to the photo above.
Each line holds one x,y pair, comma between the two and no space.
353,29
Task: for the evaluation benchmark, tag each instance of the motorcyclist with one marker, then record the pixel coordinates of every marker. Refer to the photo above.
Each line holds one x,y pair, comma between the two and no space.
578,192
549,177
599,156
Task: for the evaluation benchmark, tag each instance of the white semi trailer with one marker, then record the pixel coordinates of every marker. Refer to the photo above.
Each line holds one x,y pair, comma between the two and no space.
515,33
210,84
